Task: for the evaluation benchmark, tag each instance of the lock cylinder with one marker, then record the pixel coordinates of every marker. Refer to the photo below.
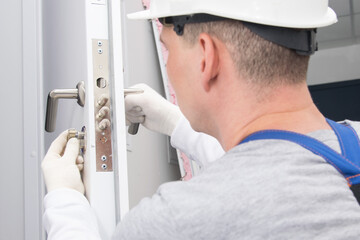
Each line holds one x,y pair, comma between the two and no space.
81,135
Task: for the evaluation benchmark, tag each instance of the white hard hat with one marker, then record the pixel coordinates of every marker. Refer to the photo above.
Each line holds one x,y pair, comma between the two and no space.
281,13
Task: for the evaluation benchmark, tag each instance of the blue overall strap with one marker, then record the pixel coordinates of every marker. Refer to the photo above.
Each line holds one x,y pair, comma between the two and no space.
348,140
347,163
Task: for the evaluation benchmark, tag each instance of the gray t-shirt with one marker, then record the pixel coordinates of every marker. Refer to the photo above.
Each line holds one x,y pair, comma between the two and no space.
265,189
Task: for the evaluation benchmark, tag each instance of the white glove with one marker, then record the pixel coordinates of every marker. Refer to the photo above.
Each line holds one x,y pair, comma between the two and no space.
151,110
61,166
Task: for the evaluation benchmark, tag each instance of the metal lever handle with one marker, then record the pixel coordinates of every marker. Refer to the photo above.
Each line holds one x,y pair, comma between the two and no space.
52,102
134,127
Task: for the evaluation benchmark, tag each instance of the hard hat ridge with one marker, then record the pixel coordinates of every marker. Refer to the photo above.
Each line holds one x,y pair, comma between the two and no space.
289,23
303,41
281,13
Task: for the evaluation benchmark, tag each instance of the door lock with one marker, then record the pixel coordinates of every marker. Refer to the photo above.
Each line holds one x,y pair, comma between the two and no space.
80,135
52,102
102,105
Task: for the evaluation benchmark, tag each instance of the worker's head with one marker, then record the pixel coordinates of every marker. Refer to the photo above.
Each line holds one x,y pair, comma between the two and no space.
263,43
257,60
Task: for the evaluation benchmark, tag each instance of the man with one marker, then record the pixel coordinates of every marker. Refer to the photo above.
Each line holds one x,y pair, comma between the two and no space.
239,70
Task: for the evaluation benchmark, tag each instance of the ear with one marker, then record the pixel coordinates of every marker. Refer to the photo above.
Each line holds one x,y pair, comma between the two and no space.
209,62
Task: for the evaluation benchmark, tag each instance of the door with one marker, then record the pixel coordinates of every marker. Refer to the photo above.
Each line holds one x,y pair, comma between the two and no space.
78,47
92,41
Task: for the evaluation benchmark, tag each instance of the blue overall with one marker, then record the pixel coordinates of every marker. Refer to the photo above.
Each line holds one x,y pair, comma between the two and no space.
347,163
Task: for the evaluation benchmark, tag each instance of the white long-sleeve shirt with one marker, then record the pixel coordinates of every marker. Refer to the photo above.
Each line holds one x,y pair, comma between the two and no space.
199,147
68,214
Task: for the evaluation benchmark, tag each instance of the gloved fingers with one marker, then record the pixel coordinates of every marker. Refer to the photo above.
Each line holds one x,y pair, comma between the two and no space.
142,86
72,150
143,100
134,101
134,115
135,119
80,163
80,166
128,123
79,159
148,91
136,110
57,146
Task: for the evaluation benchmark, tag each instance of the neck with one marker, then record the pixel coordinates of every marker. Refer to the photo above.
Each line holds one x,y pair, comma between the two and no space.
289,108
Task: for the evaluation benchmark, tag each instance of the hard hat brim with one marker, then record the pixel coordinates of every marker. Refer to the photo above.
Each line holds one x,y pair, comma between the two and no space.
141,15
328,18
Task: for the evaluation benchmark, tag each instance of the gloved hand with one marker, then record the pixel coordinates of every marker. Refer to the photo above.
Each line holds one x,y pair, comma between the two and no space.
62,164
151,110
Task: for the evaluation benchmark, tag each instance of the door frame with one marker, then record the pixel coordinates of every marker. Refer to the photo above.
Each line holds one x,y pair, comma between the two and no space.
33,123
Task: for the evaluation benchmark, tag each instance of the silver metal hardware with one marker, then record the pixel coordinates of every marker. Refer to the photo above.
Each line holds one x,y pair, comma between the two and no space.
101,82
103,158
103,99
73,133
102,105
102,113
52,102
105,123
128,91
134,127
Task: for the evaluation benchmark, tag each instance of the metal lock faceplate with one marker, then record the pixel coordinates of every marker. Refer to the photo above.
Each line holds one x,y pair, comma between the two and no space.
102,105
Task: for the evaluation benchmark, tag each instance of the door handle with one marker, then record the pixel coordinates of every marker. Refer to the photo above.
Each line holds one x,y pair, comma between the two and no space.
52,102
134,127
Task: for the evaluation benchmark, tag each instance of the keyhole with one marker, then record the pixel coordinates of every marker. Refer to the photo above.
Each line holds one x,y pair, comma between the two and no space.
101,82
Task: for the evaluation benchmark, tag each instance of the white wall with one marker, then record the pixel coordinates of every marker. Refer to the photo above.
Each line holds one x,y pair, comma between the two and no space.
334,65
339,56
11,144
